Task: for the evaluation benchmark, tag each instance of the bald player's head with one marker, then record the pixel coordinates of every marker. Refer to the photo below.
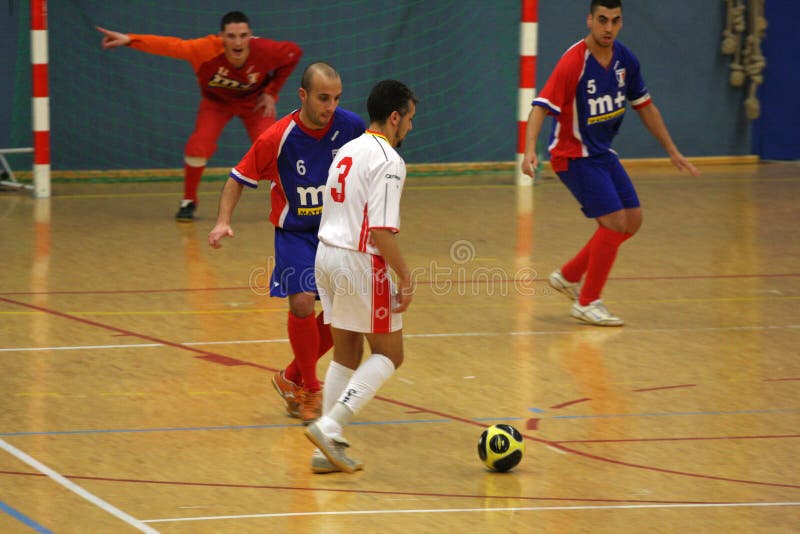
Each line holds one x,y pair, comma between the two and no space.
320,91
320,68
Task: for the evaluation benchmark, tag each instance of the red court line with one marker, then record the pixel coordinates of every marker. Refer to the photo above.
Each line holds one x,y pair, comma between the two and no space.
569,403
124,291
418,282
215,357
698,438
672,471
788,379
202,354
664,387
359,491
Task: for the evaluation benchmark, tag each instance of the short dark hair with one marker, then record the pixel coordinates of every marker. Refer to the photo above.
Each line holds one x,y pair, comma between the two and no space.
388,96
610,4
319,67
233,17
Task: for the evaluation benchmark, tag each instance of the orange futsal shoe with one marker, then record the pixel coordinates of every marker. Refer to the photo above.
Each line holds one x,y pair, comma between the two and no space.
310,406
290,392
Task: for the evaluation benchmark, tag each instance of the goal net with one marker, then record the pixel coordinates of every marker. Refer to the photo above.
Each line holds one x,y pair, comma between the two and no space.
125,109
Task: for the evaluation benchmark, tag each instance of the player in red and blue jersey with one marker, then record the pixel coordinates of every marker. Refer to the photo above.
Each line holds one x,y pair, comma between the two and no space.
294,155
588,93
239,76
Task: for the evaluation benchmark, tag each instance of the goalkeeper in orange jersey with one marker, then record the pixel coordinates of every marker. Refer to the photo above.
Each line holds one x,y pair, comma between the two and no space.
239,75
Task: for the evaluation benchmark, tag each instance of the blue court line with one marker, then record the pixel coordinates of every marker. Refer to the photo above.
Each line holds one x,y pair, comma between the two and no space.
207,428
22,518
671,414
390,422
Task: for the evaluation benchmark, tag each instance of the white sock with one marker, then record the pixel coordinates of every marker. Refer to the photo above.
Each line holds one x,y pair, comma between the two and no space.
336,380
329,426
363,385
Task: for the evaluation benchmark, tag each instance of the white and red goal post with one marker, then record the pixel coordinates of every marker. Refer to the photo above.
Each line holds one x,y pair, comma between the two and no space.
528,48
40,100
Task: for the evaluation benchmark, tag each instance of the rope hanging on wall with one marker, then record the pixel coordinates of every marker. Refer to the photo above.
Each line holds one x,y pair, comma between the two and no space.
748,62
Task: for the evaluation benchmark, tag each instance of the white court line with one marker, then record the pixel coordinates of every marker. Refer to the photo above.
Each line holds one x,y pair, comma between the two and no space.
85,347
132,521
475,510
421,336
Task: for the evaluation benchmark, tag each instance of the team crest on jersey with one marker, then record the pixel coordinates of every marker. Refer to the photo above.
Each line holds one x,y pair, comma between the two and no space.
620,73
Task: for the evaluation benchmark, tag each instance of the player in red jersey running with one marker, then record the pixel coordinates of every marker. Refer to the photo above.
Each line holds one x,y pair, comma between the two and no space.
239,76
587,93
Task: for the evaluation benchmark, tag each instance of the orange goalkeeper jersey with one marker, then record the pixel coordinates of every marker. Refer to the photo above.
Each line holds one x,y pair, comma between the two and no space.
268,65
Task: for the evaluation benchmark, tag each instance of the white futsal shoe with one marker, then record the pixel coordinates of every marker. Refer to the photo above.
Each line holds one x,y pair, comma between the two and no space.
569,289
596,314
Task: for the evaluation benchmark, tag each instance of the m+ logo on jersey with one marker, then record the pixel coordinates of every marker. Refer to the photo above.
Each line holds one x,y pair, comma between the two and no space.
606,107
310,200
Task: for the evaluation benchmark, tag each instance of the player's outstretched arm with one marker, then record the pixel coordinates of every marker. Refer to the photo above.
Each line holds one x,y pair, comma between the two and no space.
654,122
535,120
231,193
386,243
112,39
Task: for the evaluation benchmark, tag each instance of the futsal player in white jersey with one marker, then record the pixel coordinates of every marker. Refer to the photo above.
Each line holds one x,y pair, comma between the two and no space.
357,247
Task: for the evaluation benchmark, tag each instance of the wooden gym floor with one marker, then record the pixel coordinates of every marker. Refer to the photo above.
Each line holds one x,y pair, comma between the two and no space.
135,364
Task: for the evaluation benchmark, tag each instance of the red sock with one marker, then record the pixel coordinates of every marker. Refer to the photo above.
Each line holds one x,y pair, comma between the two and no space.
191,181
602,253
304,338
325,337
292,371
573,270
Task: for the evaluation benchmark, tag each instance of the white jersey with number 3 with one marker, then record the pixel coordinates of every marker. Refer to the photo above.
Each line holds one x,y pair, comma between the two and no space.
365,182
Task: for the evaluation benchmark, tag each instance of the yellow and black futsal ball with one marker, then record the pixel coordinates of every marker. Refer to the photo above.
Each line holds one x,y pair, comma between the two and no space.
501,447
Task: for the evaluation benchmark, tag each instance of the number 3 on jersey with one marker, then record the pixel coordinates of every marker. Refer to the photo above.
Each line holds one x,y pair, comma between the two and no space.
344,167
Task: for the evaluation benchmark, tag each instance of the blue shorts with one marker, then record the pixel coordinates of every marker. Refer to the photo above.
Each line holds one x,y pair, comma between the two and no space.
600,184
294,263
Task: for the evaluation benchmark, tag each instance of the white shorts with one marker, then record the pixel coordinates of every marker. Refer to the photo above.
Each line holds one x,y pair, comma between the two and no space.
356,291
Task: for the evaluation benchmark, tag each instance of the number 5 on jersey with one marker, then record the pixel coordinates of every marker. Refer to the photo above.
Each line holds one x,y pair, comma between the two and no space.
344,167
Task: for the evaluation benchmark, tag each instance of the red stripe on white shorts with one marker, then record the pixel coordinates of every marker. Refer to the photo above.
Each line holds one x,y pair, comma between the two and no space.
381,297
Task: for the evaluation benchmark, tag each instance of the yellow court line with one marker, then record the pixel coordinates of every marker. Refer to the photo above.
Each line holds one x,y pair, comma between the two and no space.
418,305
561,302
117,195
216,193
150,312
702,180
122,394
548,182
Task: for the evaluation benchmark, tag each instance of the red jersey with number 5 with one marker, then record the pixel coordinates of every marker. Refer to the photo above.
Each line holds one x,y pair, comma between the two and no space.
363,192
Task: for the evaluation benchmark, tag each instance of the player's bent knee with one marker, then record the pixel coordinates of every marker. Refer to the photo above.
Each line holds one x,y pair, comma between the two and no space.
195,161
301,310
395,357
301,305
